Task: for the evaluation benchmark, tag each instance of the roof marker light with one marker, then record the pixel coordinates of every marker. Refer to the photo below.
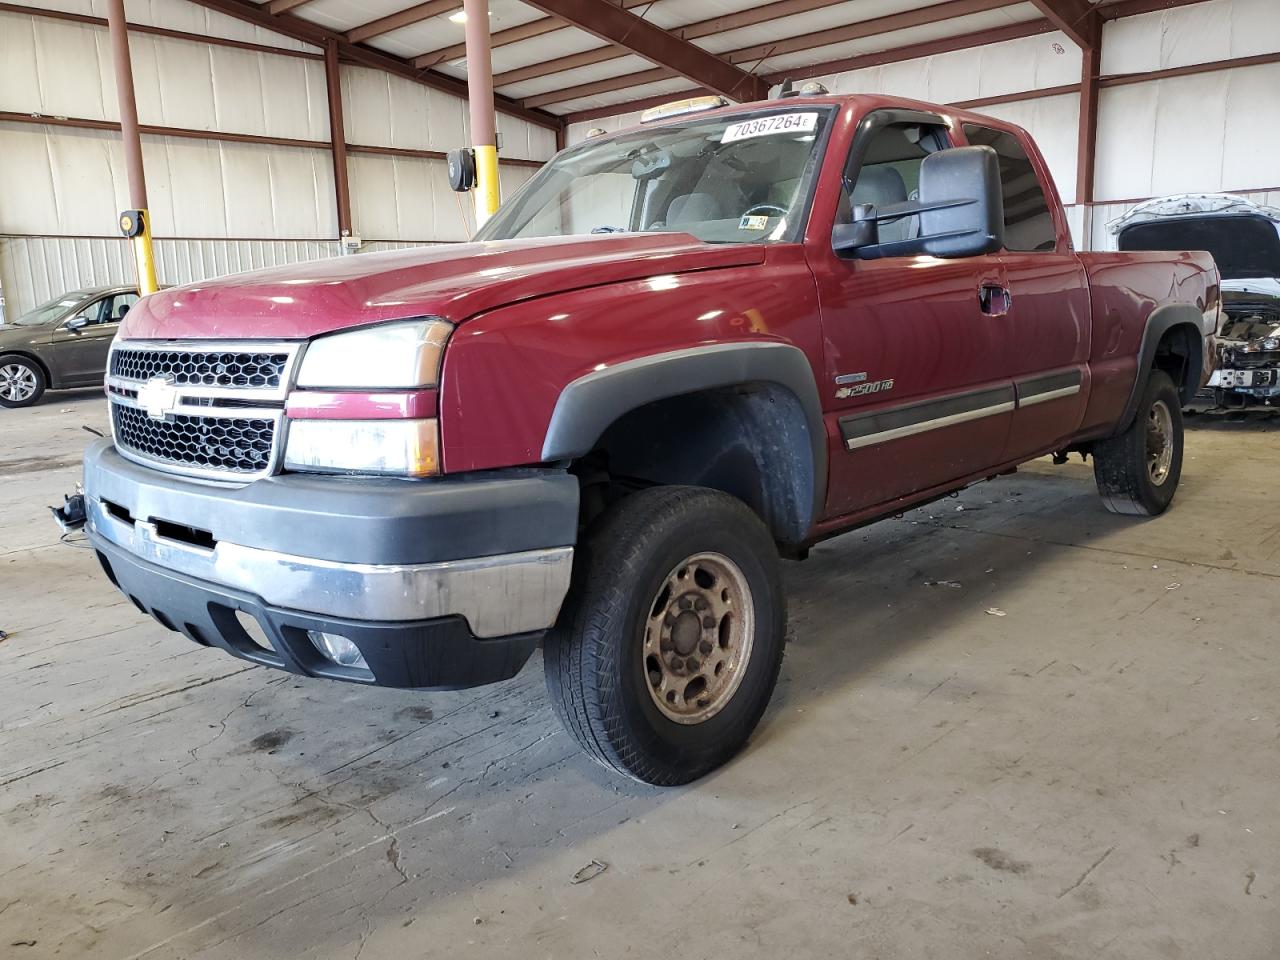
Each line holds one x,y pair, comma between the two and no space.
679,107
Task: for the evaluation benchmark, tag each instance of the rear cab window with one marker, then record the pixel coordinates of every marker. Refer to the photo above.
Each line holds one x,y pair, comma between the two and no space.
1028,220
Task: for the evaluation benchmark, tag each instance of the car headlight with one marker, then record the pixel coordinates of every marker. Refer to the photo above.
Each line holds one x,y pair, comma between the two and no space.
401,448
404,354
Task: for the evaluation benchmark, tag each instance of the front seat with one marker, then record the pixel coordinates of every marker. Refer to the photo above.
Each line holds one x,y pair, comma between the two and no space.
692,208
883,186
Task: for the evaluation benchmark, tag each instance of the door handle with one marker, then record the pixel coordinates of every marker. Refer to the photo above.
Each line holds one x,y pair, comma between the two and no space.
994,299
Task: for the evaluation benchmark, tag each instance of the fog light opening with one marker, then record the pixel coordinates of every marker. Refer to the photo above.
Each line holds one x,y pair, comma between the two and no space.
337,649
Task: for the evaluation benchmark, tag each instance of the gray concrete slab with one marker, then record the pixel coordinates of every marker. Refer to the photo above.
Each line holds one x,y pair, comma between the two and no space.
1096,773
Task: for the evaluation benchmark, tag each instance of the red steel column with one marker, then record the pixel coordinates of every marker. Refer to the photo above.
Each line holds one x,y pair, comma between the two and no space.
1091,57
484,135
337,138
144,257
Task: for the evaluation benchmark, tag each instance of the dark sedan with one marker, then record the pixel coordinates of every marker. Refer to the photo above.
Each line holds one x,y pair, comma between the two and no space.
61,344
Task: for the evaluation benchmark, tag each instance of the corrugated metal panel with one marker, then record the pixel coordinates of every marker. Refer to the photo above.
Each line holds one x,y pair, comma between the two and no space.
404,198
36,269
178,15
1230,118
386,111
74,184
62,68
1201,33
185,16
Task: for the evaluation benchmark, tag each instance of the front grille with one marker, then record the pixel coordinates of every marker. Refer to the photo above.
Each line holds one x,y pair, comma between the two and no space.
201,369
235,445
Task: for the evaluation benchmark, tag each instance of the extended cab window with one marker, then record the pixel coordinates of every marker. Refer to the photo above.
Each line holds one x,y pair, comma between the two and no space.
1028,225
889,173
741,178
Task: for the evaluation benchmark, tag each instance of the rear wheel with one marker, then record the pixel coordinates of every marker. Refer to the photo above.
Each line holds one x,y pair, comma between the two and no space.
672,636
22,382
1137,472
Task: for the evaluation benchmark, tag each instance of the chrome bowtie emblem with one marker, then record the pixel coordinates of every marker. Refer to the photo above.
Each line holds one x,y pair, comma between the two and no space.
159,397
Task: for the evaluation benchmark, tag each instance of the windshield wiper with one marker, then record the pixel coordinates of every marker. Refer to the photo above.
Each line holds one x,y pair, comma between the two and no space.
608,229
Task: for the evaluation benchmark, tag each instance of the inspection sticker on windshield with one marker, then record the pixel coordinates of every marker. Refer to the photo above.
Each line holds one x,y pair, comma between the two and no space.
767,126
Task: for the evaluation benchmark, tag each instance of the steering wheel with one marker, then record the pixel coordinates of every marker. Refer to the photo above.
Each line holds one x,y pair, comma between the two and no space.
762,207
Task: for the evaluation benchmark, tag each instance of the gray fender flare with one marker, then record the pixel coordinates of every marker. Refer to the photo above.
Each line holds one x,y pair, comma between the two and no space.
588,405
1159,322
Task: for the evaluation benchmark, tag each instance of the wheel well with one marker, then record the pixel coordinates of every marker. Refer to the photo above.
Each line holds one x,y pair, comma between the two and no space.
48,379
750,441
1180,354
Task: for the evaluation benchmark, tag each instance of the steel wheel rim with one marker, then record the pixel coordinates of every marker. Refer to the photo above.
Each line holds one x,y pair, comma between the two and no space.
18,382
1159,442
698,638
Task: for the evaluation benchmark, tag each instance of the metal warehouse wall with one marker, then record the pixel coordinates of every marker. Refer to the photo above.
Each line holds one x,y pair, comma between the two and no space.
216,204
1203,133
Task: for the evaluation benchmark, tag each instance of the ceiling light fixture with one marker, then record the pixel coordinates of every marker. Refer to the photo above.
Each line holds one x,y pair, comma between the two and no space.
460,16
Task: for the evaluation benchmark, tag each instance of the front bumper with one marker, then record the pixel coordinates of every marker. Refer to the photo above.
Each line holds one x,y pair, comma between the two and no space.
1258,383
444,583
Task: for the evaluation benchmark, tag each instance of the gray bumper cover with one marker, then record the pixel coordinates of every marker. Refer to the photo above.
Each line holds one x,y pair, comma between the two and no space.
496,550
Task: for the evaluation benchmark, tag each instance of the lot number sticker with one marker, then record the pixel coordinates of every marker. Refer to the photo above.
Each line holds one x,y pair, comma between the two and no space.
767,126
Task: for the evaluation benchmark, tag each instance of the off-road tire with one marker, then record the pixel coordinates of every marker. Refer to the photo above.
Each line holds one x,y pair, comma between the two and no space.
1122,466
594,658
33,371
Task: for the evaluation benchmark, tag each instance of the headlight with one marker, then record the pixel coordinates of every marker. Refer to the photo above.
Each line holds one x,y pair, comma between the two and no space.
404,354
402,448
1260,346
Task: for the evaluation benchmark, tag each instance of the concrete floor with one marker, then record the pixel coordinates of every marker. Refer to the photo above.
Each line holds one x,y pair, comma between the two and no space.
1094,774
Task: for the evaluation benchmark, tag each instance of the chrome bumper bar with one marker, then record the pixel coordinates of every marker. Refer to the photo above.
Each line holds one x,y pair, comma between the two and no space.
498,596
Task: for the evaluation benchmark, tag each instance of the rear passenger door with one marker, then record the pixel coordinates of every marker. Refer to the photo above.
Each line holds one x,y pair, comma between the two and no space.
1048,300
917,365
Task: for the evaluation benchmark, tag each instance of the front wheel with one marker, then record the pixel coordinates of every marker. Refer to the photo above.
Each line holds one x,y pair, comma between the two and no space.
672,636
22,381
1137,472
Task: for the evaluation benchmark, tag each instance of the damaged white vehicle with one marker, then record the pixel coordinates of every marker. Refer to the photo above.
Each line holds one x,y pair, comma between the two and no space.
1244,238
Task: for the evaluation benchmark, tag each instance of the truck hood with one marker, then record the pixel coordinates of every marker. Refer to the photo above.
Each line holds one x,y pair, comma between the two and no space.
454,281
1244,245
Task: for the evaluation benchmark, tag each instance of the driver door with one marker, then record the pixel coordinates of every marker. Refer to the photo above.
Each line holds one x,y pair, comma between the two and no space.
917,387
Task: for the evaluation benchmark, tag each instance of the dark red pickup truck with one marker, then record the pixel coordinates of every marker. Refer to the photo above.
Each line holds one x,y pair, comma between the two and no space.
677,354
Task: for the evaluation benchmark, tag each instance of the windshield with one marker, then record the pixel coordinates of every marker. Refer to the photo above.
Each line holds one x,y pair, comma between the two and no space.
1243,247
743,178
48,312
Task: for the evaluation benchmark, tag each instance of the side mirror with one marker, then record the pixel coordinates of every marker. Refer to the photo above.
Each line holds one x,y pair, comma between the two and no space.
77,323
961,211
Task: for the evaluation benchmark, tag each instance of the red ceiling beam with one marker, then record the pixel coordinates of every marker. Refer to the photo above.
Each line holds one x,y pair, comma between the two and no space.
691,31
1078,19
614,25
1132,8
402,18
1013,31
307,32
859,30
